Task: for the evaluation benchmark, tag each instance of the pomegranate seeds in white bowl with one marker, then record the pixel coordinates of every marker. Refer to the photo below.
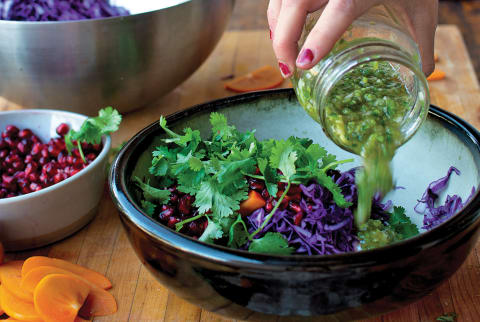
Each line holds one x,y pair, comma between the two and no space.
50,185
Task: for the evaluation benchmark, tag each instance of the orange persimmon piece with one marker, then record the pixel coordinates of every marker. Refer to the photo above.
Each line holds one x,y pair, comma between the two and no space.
11,277
17,308
59,297
88,274
263,78
98,303
253,202
436,75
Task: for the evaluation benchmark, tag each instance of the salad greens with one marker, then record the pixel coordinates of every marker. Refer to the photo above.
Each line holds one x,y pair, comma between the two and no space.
215,171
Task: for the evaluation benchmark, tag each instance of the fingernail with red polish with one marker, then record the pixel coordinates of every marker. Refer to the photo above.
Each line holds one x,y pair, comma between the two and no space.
270,34
305,57
284,69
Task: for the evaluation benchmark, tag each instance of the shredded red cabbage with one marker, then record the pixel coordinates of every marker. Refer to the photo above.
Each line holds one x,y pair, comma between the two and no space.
326,228
434,216
58,10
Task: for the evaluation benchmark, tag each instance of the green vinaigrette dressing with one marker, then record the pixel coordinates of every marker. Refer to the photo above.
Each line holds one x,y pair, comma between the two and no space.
364,112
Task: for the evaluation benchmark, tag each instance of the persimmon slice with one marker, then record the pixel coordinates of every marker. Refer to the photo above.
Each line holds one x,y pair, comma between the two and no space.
88,274
11,277
252,203
263,78
437,75
98,303
17,308
59,297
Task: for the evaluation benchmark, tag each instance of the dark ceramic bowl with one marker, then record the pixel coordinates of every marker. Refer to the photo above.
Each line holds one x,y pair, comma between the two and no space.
341,287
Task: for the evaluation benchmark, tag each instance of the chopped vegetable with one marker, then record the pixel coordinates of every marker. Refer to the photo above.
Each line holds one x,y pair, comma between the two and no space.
252,203
436,75
263,78
58,10
434,216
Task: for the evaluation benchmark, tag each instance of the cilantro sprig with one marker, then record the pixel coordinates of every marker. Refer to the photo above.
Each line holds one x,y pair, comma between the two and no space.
215,171
92,130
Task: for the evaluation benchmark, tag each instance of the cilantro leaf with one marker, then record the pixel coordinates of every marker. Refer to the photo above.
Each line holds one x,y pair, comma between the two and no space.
402,224
220,129
448,317
326,181
270,175
271,243
212,232
148,207
283,158
238,233
93,128
151,193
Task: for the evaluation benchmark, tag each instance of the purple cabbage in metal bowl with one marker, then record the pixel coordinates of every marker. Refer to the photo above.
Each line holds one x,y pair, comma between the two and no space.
58,10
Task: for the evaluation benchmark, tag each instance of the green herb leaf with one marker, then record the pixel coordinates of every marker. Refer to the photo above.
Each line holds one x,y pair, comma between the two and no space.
402,224
92,130
448,317
270,175
238,234
283,158
328,183
153,194
212,232
220,129
148,207
271,243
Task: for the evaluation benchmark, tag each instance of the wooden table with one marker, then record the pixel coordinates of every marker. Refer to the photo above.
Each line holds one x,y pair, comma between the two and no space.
103,245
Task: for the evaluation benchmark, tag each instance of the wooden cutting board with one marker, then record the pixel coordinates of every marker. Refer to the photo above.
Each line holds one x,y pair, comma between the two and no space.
103,245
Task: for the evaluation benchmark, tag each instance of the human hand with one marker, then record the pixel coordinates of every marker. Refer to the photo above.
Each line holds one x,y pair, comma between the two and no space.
287,17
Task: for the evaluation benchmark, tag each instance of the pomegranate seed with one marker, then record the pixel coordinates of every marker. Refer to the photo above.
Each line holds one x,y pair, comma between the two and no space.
269,205
257,185
11,130
297,219
25,134
91,156
63,129
185,204
172,221
265,194
294,189
294,206
35,187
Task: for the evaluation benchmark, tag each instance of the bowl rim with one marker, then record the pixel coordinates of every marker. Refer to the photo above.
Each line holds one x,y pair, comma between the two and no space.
173,5
221,254
107,141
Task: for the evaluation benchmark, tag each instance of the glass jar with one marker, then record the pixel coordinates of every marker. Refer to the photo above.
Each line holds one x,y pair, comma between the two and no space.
380,36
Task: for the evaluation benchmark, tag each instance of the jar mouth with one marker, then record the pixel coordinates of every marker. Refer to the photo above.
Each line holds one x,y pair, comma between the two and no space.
362,51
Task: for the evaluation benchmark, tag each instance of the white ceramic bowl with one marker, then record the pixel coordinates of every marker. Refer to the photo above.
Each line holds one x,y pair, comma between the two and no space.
40,218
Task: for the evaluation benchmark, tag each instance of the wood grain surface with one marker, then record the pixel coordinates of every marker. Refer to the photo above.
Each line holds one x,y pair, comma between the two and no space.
102,245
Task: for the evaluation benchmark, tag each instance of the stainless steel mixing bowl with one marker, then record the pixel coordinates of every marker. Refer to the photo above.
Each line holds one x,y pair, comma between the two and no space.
126,62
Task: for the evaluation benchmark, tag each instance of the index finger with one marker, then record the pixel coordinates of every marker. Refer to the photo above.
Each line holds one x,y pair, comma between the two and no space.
337,16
